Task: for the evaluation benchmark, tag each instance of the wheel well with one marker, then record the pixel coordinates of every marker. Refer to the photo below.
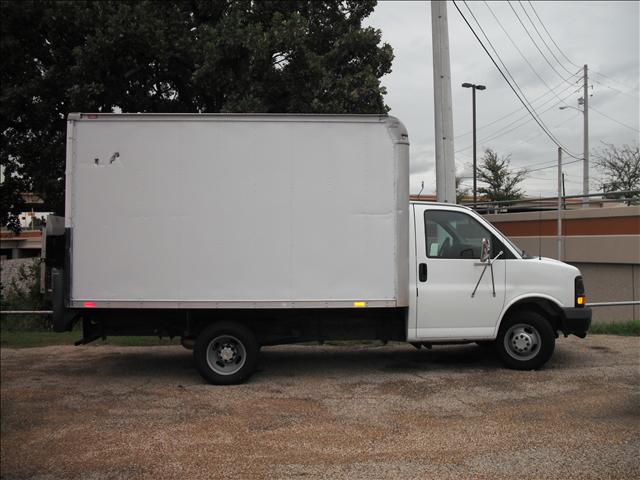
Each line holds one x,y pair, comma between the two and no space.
542,306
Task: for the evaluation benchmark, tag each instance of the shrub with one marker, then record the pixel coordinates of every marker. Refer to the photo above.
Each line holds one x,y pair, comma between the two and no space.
23,293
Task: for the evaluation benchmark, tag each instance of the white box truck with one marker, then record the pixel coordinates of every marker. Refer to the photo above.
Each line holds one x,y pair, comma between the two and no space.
238,231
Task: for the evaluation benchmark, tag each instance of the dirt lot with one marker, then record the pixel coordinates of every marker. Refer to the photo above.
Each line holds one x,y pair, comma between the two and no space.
358,412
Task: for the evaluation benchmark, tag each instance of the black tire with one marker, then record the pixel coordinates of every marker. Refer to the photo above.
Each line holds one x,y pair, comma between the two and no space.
525,341
187,342
226,353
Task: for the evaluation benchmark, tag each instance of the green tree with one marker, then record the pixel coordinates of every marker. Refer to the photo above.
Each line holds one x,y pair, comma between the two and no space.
461,191
172,56
621,169
501,182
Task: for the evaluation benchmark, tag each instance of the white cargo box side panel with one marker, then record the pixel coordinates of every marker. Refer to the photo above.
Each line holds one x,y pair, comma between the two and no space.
188,210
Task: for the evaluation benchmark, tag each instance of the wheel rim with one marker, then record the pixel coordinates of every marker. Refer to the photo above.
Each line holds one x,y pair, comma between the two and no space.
522,342
226,355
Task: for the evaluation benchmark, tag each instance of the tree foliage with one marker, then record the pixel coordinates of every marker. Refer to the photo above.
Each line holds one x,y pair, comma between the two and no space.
501,182
461,191
172,56
620,167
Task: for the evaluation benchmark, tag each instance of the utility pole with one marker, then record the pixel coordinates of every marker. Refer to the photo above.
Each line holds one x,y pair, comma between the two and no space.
445,161
473,88
585,147
559,228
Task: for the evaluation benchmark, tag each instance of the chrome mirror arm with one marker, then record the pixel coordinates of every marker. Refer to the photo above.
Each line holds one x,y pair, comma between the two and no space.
493,283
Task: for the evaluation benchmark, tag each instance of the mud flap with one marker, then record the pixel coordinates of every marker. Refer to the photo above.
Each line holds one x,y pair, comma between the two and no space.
62,317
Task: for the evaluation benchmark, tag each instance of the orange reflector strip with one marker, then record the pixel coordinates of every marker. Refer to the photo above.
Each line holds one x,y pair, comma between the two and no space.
359,304
581,300
90,304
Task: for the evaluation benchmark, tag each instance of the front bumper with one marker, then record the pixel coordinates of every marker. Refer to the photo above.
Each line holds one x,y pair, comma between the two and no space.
576,321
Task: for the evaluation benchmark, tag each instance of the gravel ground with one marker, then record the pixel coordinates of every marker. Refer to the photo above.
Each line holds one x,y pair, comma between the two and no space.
322,412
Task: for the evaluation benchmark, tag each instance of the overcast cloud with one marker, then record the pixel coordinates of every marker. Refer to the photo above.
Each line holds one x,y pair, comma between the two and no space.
604,35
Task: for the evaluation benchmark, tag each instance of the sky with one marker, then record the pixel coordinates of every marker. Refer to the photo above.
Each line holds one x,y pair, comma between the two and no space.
603,35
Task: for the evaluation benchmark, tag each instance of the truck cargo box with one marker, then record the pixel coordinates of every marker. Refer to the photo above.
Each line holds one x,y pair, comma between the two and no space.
237,211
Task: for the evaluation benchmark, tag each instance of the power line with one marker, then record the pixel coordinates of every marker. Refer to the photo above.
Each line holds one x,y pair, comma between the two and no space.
614,120
554,166
520,51
611,78
539,122
536,44
577,182
566,120
554,42
543,41
525,101
615,89
493,122
572,62
550,163
498,134
497,54
546,162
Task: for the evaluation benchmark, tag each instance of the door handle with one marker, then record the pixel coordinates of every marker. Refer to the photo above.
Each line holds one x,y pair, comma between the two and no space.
422,272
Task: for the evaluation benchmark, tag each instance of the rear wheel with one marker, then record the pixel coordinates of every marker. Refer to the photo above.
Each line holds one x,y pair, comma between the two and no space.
226,353
526,341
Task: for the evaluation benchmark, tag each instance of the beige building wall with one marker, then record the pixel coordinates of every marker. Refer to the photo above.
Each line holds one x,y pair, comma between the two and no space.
607,282
604,245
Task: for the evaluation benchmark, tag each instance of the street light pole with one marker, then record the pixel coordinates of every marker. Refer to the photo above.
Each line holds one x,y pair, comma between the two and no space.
475,154
473,88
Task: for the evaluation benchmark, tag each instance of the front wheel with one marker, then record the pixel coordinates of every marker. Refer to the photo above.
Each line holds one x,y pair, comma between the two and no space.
226,353
525,341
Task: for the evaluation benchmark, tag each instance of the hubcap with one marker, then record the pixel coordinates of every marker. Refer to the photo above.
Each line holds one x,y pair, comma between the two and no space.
522,342
226,355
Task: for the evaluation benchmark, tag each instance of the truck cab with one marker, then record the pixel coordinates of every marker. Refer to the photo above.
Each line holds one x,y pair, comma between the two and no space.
471,283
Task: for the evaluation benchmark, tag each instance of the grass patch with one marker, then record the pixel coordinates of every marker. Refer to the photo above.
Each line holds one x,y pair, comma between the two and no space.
28,339
629,328
21,339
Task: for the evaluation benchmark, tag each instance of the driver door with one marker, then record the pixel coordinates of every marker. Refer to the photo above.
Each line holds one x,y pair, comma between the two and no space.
448,248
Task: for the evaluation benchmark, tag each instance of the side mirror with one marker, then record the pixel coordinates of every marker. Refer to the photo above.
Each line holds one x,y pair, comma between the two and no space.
485,250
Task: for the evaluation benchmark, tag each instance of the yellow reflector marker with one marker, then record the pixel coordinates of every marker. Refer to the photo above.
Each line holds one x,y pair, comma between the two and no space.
581,300
359,304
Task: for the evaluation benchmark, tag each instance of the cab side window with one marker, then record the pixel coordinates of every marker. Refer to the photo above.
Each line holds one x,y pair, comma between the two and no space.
452,234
